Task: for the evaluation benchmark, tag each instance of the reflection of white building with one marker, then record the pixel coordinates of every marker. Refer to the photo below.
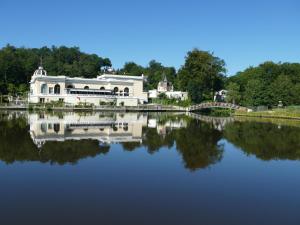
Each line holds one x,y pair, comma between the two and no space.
170,125
105,128
167,88
124,90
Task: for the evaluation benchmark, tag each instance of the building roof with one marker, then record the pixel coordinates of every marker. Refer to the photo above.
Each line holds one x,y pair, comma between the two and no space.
41,74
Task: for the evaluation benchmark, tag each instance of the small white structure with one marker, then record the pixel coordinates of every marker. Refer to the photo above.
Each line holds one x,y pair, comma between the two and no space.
107,88
167,88
164,86
220,96
153,93
177,95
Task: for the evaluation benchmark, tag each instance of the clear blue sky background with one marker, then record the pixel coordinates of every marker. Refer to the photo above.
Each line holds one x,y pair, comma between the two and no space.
243,33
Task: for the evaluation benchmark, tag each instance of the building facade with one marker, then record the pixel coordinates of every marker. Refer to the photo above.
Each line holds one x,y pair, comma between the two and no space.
118,89
104,127
164,86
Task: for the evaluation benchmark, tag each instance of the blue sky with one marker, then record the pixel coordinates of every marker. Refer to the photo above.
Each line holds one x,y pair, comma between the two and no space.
243,33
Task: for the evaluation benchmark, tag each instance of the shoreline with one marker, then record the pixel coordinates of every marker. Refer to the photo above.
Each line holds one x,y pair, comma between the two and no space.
145,108
149,108
263,116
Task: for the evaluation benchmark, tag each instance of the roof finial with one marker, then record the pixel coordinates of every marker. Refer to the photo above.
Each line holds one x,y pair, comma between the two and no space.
164,77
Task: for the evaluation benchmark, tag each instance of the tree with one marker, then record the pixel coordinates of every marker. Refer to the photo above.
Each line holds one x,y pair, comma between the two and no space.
201,75
131,68
269,83
18,64
155,72
162,96
106,63
12,89
233,94
254,93
282,90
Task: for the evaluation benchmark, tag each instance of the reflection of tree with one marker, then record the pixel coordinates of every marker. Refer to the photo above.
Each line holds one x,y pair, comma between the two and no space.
54,152
71,151
198,145
131,146
153,141
265,140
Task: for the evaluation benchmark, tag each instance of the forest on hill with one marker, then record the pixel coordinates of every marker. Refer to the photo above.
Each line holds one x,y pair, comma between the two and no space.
18,64
266,85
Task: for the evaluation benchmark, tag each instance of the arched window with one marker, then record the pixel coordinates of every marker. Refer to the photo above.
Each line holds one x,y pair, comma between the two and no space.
126,91
44,89
57,89
44,127
56,127
102,88
86,87
70,86
116,90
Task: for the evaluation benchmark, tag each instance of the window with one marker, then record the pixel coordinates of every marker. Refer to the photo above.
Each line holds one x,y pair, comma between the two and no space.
116,90
44,89
44,127
42,100
57,89
50,90
126,91
102,88
70,86
56,127
86,87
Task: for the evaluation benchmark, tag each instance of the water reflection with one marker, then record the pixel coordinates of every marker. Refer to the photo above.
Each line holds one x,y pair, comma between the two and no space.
68,137
267,141
140,173
105,128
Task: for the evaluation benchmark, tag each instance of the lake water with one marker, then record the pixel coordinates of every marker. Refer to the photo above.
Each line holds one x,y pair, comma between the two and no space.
117,168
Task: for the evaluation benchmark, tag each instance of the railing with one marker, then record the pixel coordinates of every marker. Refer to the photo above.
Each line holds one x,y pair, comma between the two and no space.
208,105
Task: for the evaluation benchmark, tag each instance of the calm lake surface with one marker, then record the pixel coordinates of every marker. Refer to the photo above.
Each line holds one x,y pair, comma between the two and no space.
117,168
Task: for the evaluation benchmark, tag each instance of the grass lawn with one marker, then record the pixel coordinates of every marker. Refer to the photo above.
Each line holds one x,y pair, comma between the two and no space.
292,112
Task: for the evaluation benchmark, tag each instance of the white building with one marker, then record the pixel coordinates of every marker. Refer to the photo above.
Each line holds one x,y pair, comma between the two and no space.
167,88
220,96
164,86
121,89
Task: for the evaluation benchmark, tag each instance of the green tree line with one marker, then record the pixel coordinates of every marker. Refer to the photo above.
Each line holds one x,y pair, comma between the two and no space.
266,85
18,64
202,74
